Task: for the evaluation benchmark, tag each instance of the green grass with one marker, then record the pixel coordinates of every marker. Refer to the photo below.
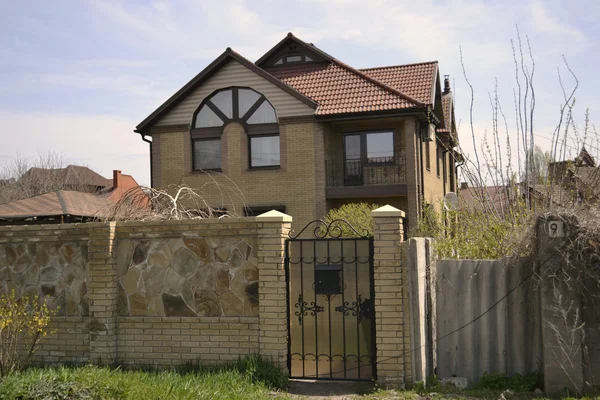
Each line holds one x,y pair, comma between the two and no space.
251,378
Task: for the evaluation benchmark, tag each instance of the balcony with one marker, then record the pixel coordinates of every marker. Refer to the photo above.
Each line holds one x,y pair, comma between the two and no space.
377,176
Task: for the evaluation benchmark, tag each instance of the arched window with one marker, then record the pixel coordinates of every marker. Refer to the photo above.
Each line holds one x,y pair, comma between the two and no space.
243,105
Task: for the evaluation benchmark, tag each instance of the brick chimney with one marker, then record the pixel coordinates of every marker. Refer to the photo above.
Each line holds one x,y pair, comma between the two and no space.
464,185
116,178
446,84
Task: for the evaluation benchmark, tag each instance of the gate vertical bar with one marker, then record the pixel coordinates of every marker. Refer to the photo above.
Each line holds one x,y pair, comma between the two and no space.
316,314
287,304
343,304
373,326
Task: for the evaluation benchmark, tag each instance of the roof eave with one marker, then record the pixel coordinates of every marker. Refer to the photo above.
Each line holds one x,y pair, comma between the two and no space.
434,80
403,112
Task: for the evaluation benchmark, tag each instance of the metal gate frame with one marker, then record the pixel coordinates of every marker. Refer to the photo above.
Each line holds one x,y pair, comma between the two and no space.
329,232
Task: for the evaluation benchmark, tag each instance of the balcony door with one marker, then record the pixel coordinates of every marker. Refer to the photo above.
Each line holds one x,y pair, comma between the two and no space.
369,158
353,174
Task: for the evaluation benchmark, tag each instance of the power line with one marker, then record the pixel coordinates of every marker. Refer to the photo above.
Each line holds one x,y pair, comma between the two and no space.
450,333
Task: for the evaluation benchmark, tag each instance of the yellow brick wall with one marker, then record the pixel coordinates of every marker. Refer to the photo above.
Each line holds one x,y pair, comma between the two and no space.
70,344
294,185
434,184
181,340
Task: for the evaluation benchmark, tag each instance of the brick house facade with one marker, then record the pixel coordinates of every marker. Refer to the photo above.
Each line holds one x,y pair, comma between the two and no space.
301,132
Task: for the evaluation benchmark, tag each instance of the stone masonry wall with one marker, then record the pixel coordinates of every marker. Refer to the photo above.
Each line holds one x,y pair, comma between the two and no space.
164,293
51,261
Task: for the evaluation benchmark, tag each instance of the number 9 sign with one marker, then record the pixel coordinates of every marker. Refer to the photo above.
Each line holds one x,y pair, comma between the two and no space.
555,229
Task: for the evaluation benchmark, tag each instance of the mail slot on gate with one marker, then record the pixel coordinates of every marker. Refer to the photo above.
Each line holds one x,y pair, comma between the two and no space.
328,279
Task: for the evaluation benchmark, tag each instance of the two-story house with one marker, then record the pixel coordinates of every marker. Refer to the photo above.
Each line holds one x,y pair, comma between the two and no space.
301,132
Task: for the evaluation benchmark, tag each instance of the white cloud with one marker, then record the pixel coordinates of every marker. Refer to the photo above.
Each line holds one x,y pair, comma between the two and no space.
543,22
103,143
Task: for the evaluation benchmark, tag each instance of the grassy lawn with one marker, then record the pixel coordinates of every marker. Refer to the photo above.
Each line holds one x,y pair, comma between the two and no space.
247,379
251,378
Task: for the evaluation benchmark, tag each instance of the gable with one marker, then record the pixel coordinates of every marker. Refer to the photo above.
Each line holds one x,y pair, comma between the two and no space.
234,73
292,50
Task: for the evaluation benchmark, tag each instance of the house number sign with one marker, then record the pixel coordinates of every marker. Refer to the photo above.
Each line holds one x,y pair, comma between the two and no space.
555,229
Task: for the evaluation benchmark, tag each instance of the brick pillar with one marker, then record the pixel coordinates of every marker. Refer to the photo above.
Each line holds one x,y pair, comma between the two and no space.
391,322
273,229
102,288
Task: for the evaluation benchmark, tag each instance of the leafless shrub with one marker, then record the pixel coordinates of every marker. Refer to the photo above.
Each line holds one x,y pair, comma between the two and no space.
18,181
178,202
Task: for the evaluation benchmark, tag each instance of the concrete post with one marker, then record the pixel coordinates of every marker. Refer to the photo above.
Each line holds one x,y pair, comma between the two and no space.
273,229
391,299
102,293
562,347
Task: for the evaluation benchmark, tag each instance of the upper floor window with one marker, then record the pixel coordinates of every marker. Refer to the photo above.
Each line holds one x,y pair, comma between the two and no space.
243,105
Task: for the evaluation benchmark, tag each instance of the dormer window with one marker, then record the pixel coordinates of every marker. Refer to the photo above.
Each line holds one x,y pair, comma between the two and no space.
245,106
293,59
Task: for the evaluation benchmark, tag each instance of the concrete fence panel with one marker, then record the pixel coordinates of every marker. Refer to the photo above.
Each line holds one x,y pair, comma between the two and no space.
472,340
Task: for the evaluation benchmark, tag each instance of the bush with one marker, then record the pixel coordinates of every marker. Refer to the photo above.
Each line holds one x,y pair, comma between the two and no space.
358,215
23,323
475,234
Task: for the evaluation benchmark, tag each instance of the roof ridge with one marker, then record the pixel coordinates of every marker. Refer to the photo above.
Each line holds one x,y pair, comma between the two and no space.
377,82
61,201
400,65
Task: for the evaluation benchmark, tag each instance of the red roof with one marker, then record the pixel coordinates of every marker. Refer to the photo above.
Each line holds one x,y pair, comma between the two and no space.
340,89
327,83
414,80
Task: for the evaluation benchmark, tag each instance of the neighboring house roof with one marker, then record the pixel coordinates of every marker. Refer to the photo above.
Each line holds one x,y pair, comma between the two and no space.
587,181
122,184
484,198
72,175
414,80
55,204
558,194
585,158
327,85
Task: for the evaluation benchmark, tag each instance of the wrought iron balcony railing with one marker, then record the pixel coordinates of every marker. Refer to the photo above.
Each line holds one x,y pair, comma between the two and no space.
374,171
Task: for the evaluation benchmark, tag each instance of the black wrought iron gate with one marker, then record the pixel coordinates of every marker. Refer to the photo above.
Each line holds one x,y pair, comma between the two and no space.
330,311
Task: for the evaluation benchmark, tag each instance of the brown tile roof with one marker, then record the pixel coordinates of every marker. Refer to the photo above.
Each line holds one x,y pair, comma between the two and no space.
72,175
488,198
341,89
414,80
62,202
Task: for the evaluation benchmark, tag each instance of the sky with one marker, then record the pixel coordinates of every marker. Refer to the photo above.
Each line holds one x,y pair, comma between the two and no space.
76,77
